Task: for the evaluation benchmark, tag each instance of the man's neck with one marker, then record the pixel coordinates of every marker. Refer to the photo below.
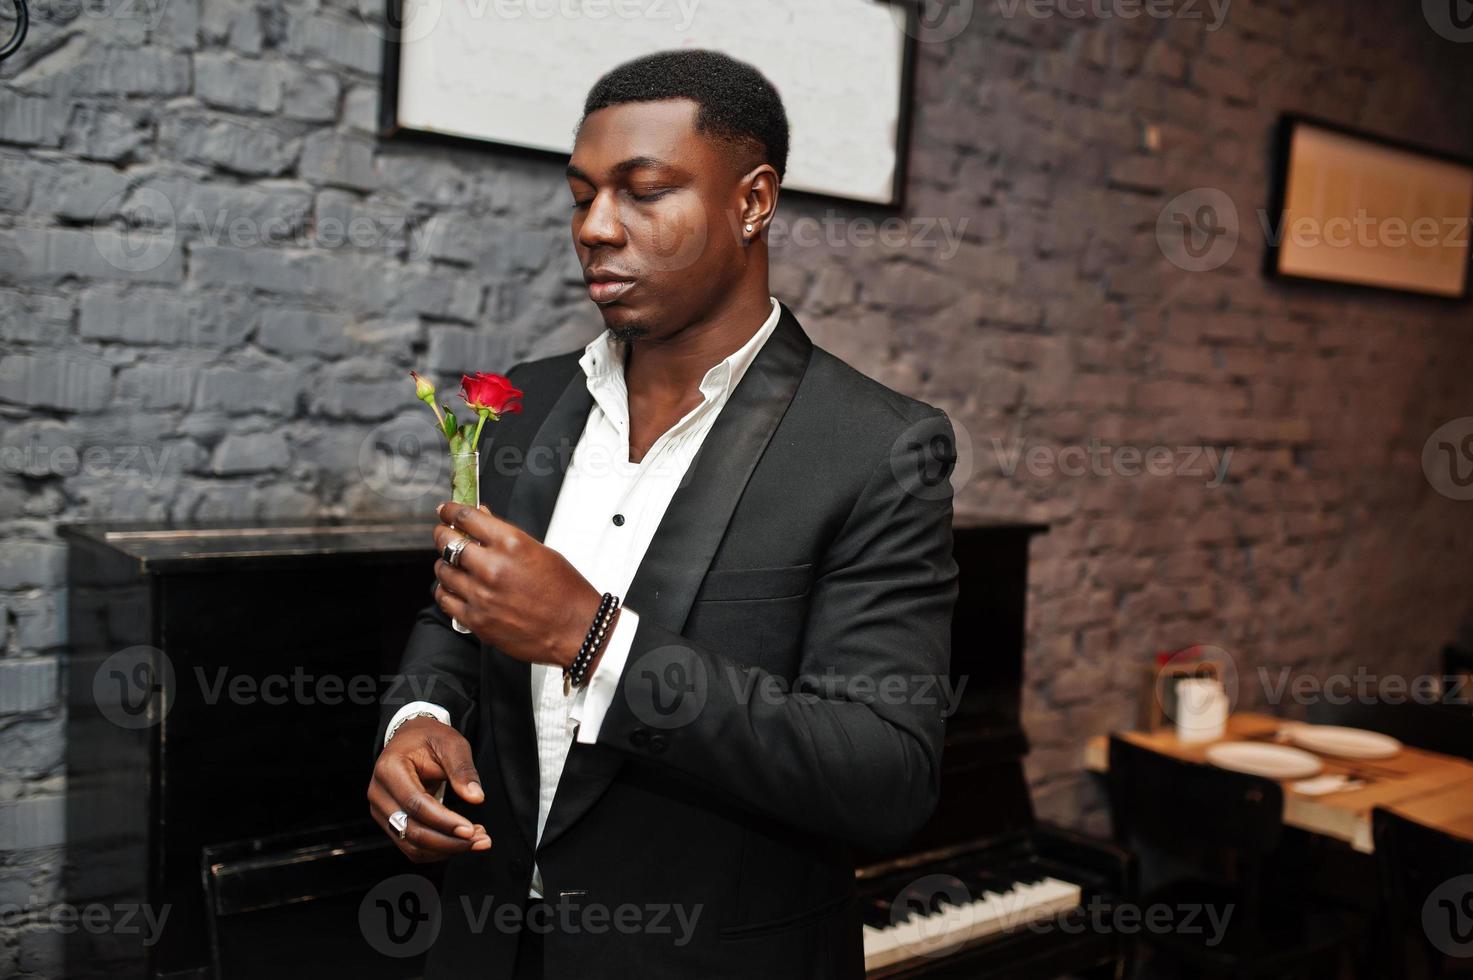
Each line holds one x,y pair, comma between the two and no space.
671,368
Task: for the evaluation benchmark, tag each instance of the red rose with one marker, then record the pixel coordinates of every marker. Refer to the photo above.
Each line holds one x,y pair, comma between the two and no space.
490,393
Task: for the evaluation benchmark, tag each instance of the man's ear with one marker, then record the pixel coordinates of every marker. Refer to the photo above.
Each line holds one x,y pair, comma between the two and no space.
759,189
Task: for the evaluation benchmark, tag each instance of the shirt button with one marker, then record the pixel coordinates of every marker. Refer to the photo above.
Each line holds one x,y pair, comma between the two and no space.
618,520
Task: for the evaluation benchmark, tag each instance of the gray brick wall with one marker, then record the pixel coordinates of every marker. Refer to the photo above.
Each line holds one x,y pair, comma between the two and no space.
213,280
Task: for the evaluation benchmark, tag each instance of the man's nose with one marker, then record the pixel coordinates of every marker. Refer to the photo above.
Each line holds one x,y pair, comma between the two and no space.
602,224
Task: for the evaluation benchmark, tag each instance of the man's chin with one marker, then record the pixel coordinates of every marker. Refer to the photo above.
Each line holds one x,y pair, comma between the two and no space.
623,323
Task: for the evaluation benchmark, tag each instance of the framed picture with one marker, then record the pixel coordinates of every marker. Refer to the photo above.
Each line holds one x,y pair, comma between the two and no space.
1349,207
498,72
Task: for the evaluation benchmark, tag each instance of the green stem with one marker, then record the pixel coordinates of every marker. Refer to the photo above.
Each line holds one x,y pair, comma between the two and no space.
476,439
464,482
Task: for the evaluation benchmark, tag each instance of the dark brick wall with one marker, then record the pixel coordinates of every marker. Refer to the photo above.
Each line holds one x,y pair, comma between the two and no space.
213,279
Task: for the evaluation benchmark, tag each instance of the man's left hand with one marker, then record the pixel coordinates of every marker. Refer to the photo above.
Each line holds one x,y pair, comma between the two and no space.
511,590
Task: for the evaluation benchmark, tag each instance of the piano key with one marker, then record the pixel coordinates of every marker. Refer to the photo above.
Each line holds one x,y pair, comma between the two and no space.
913,935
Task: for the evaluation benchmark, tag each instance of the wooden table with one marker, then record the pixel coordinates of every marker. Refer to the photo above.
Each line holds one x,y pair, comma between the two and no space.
1433,789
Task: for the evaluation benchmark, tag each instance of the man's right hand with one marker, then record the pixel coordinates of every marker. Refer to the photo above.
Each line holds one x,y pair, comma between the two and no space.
422,755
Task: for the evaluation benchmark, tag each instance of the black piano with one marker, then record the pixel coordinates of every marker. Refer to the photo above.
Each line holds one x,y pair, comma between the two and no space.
241,811
985,890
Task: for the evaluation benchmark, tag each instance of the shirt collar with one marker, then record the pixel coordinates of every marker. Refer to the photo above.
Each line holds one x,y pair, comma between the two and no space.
603,360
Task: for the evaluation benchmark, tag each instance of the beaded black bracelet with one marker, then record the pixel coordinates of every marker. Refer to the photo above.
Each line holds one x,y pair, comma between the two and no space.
576,675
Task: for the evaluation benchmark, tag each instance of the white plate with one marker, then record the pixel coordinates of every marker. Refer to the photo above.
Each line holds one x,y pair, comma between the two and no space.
1346,743
1264,759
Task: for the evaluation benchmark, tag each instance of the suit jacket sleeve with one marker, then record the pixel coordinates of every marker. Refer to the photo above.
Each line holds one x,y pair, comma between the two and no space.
850,749
440,666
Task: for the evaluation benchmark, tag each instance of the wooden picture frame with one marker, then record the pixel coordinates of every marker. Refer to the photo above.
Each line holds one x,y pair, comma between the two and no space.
1341,197
806,164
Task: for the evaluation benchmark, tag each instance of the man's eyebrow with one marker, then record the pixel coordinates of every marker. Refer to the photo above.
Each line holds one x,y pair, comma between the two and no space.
622,167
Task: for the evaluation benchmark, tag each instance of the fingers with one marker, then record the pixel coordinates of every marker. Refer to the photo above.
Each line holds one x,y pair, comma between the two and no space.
454,756
466,579
421,843
480,524
451,604
401,783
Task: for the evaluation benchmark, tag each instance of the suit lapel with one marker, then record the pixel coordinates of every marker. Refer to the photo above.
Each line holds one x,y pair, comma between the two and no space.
690,532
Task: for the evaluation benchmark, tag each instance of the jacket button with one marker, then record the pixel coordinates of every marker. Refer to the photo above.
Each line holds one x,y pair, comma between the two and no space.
657,743
639,737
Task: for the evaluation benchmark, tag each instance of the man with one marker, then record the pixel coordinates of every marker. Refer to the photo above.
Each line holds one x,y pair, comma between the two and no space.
778,527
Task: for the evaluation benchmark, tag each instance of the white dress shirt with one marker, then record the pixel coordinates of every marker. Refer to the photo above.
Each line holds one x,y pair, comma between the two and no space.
606,514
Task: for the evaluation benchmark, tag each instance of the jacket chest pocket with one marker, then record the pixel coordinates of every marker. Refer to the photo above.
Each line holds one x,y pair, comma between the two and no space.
752,584
754,615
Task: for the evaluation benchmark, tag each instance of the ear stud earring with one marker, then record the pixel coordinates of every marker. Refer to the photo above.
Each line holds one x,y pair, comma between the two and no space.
749,227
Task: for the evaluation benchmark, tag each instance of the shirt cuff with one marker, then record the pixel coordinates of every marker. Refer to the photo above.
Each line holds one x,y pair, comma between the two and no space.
440,713
412,707
593,699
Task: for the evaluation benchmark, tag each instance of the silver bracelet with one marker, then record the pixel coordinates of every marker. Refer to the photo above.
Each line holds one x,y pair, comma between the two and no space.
394,728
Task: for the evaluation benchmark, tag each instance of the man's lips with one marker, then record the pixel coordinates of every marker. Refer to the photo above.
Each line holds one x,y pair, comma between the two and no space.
605,289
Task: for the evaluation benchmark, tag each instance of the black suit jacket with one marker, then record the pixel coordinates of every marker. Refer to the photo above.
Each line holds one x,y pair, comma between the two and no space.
779,704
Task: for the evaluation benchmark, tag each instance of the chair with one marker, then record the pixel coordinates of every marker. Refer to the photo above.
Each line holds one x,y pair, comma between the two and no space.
1425,881
1212,830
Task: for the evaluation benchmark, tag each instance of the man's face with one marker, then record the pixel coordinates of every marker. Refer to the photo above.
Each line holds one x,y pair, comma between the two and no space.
655,211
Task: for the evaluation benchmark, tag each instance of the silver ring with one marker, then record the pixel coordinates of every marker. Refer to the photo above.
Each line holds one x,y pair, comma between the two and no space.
399,820
451,552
